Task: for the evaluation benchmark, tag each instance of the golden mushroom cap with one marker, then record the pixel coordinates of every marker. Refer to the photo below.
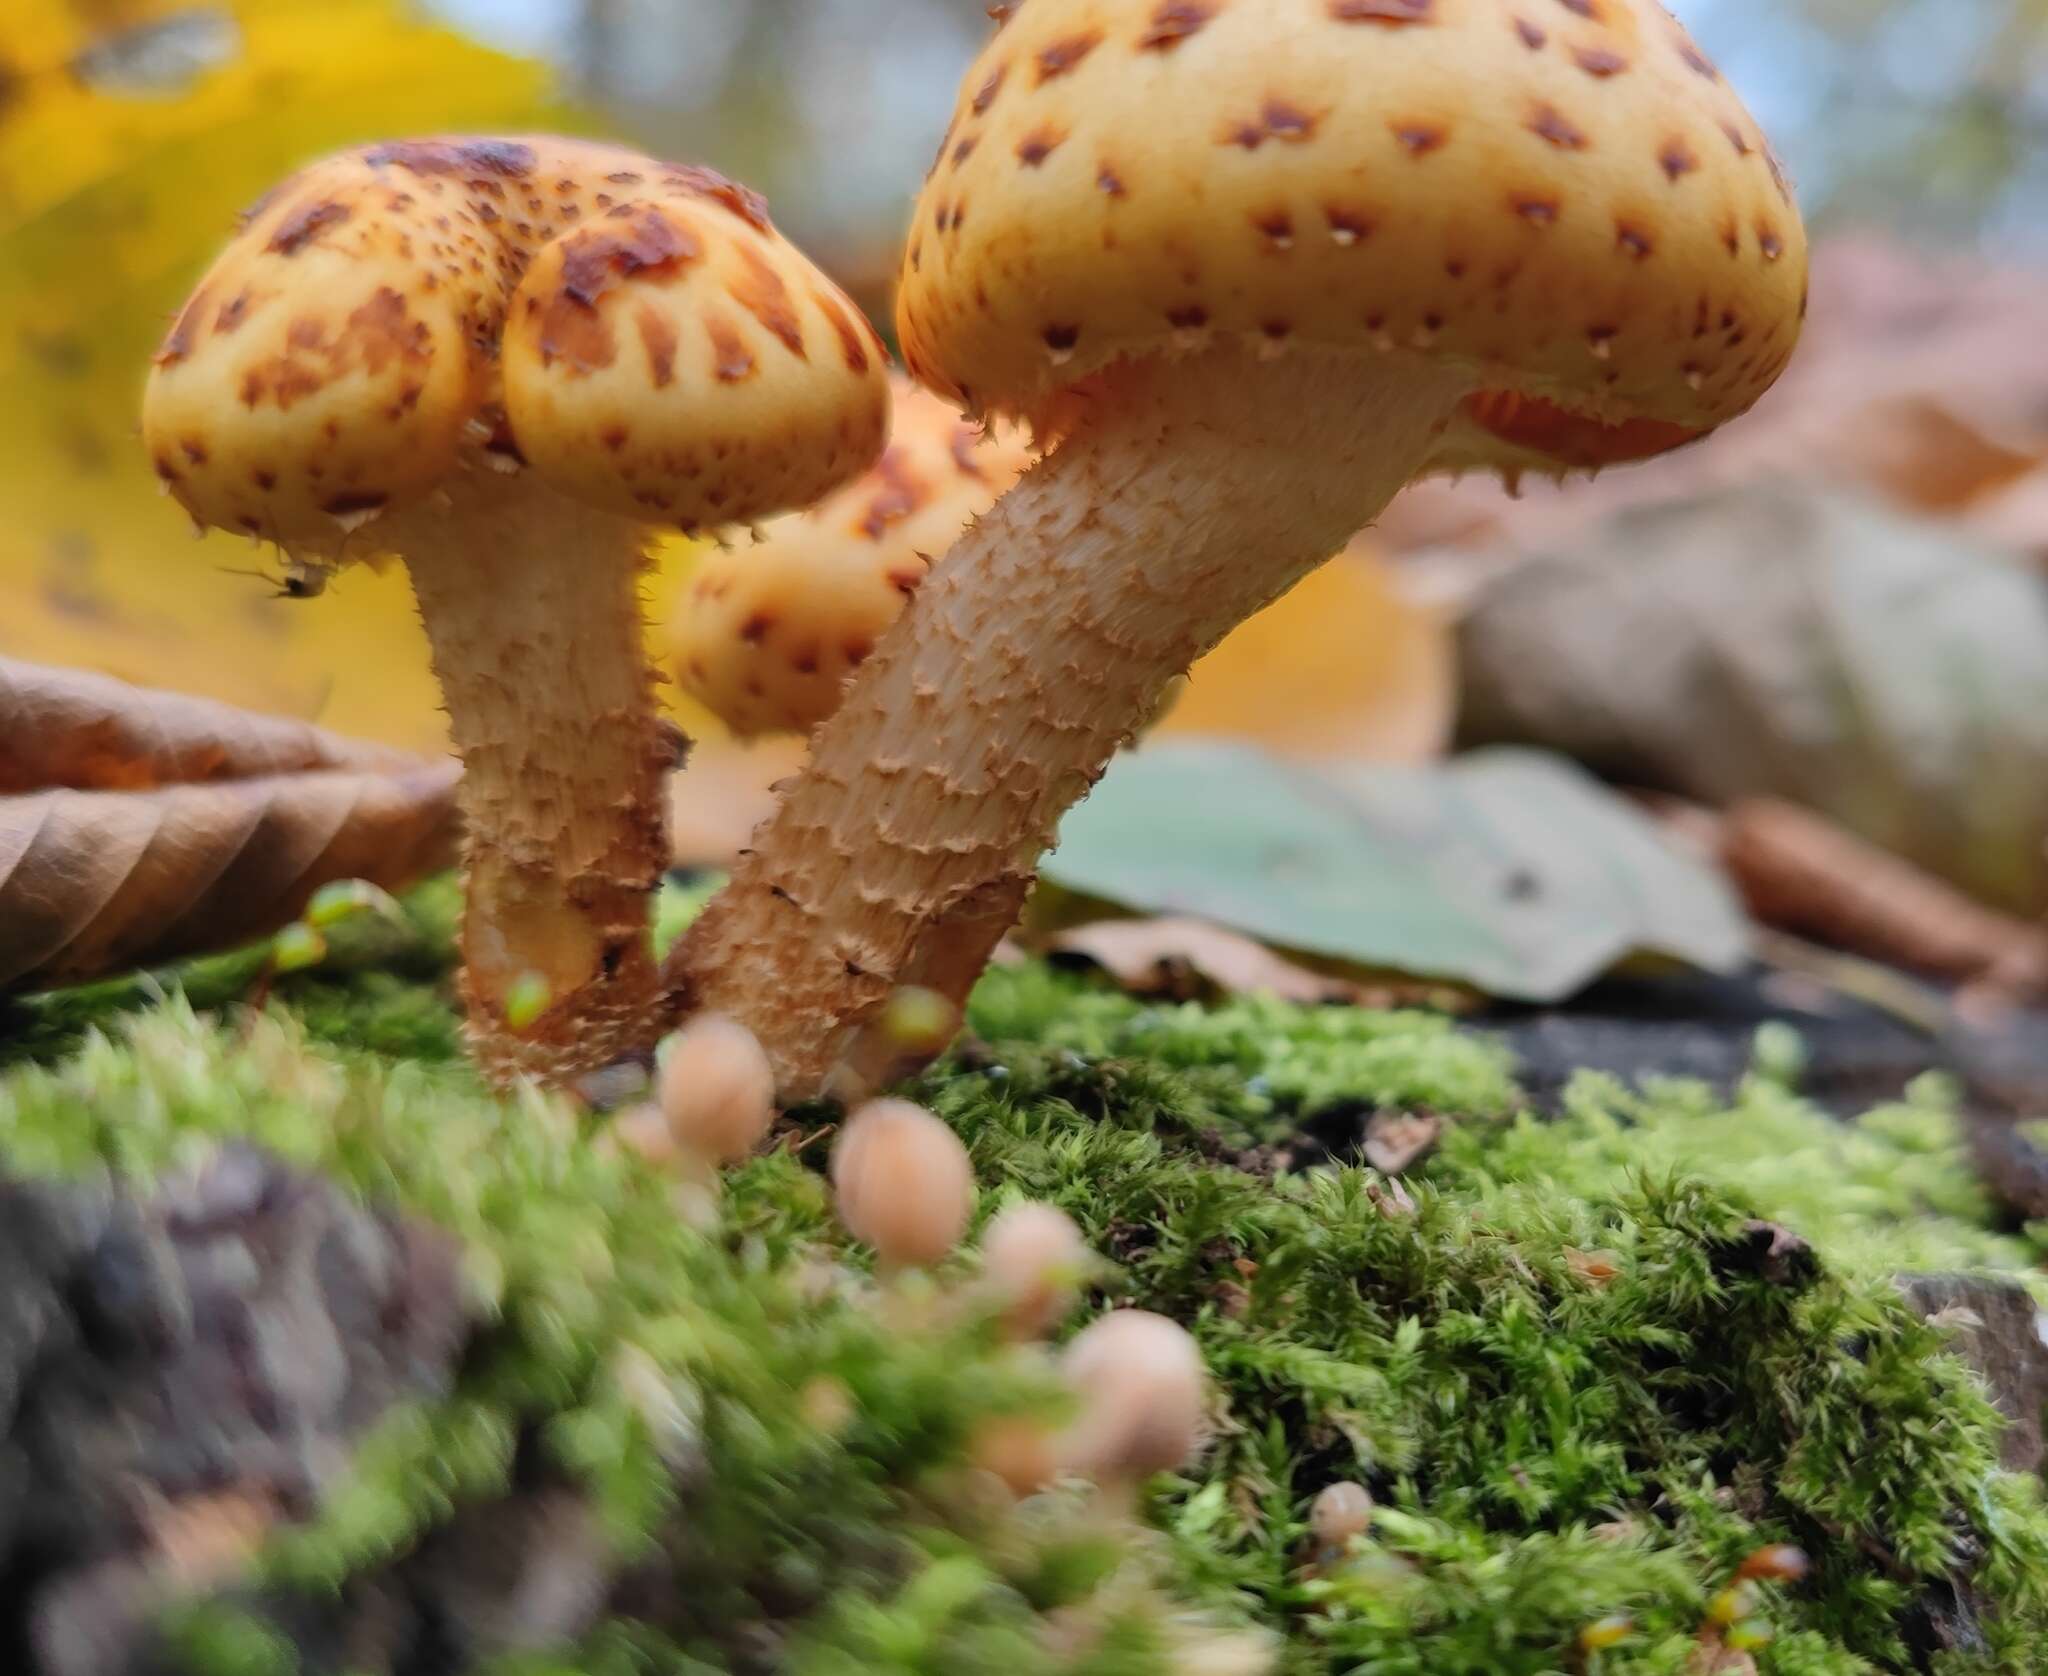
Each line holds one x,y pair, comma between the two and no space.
635,332
1563,197
765,634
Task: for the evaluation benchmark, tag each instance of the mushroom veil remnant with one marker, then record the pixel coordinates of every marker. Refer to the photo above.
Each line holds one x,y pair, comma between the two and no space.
509,362
1247,267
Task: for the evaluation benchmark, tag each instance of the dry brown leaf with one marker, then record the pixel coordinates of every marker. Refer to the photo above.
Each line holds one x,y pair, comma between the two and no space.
129,836
1803,873
1395,1141
1190,959
71,728
1922,379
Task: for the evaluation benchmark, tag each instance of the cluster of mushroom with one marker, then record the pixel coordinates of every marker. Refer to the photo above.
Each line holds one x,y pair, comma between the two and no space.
1242,272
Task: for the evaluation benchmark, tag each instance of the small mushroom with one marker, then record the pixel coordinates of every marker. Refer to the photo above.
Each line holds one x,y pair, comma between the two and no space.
1339,1512
1034,1259
509,363
1282,261
1142,1389
903,1183
765,635
717,1091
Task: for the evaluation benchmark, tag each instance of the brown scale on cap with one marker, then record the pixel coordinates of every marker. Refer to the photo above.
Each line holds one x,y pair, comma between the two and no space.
765,633
1347,243
503,360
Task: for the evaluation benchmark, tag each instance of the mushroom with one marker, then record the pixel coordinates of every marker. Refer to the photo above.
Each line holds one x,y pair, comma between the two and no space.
765,636
902,1182
508,362
1142,1390
1034,1259
1247,270
716,1090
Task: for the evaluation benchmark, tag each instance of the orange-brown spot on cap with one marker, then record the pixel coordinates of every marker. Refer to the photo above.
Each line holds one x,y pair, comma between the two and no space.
1289,122
1534,37
1696,61
233,311
184,330
964,148
658,338
1110,181
1677,159
1277,226
625,177
1189,317
732,361
755,629
353,503
613,437
595,261
742,201
1035,147
760,290
379,332
1582,8
902,493
1549,123
1066,54
1537,210
506,159
1347,226
194,449
1061,339
905,578
264,478
305,224
1737,139
1768,241
1634,240
855,652
985,95
1419,139
1573,440
1390,14
850,344
1599,61
1173,22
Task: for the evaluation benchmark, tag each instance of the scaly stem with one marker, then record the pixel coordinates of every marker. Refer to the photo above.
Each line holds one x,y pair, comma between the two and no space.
531,601
1191,494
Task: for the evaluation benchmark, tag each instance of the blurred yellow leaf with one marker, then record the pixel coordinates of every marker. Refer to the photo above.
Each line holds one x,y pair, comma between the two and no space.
1341,666
131,132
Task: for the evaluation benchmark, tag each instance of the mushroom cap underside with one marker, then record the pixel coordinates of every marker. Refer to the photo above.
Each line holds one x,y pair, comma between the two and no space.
1562,197
635,332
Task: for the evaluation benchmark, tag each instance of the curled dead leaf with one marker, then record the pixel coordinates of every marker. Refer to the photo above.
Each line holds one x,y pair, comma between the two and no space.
1190,959
1397,1140
138,826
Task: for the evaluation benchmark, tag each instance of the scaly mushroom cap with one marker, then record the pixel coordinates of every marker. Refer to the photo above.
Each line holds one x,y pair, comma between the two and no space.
1561,195
635,331
764,636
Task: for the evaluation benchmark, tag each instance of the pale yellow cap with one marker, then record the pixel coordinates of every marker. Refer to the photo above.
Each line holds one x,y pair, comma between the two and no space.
1562,196
635,332
764,634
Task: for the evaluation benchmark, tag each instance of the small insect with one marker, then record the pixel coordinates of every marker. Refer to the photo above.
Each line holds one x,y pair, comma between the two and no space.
295,581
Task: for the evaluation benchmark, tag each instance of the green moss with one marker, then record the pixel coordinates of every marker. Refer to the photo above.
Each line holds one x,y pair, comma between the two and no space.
1553,1439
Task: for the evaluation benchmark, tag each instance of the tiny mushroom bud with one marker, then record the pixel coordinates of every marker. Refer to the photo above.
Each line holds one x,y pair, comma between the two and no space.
510,363
903,1182
716,1089
1142,1387
1250,269
765,635
1034,1258
1339,1513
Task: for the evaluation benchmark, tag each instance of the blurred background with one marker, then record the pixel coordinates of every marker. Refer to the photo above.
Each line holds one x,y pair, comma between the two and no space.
1885,671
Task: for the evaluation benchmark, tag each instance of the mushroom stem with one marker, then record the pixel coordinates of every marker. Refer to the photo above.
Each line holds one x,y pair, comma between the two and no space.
549,698
1189,494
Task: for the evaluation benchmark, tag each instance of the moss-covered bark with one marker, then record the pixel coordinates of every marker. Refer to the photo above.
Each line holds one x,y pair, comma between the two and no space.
1554,1355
